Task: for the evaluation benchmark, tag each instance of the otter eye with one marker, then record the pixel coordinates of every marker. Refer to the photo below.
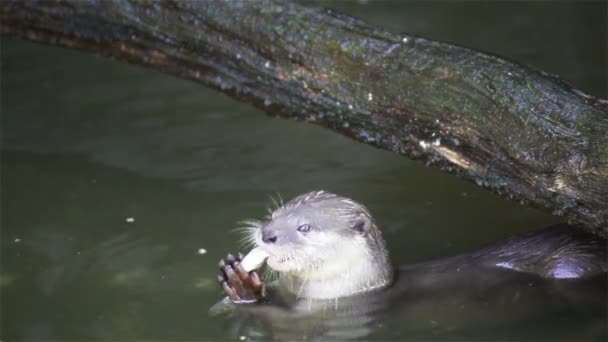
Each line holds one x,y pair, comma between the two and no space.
304,228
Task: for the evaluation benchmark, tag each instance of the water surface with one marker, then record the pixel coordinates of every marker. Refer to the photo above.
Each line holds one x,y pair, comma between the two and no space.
114,177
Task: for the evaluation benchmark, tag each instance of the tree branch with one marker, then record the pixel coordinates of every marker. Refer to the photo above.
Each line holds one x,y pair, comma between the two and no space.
511,129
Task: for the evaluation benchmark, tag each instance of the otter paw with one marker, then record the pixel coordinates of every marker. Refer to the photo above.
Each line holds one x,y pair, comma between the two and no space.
239,285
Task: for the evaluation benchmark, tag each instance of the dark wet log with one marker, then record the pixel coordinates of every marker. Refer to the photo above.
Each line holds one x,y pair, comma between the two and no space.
511,129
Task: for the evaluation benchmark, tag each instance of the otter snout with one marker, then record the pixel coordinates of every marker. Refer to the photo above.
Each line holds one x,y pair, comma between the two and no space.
269,235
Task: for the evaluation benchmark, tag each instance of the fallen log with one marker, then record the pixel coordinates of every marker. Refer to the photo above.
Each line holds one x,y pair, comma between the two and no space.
511,129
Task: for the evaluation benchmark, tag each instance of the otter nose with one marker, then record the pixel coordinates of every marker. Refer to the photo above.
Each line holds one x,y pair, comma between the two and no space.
269,236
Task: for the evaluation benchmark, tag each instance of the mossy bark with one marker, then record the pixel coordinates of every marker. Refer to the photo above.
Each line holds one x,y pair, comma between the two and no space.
511,129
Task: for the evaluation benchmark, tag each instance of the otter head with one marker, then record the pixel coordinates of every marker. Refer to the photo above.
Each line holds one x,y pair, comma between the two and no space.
320,237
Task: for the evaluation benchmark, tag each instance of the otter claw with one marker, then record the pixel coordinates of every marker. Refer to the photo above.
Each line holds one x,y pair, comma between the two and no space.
234,279
230,258
240,271
238,284
230,292
256,281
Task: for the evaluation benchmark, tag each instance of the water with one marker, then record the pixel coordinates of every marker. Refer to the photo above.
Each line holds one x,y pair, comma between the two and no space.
89,144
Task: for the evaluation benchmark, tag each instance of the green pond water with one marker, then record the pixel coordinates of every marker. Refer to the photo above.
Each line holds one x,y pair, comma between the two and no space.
114,178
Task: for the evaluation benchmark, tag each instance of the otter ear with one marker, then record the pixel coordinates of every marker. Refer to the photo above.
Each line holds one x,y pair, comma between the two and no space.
362,226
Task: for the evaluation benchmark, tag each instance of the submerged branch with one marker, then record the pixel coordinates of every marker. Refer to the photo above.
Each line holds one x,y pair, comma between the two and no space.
511,129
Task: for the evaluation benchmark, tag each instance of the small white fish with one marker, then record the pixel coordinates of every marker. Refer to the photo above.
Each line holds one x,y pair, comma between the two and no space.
254,259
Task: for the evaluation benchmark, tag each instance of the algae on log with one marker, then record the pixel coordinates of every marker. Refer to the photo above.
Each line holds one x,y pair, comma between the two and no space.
511,129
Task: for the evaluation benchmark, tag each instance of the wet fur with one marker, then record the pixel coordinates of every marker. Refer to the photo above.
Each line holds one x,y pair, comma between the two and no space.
344,254
341,261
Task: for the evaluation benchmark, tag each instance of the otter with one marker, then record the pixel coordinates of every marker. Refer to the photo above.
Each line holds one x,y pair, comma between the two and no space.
327,249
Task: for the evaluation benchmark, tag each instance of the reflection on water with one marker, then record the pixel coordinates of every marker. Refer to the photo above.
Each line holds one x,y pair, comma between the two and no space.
88,143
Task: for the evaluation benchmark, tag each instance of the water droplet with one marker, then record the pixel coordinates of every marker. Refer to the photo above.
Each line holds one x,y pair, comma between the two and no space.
202,251
267,64
130,219
370,96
